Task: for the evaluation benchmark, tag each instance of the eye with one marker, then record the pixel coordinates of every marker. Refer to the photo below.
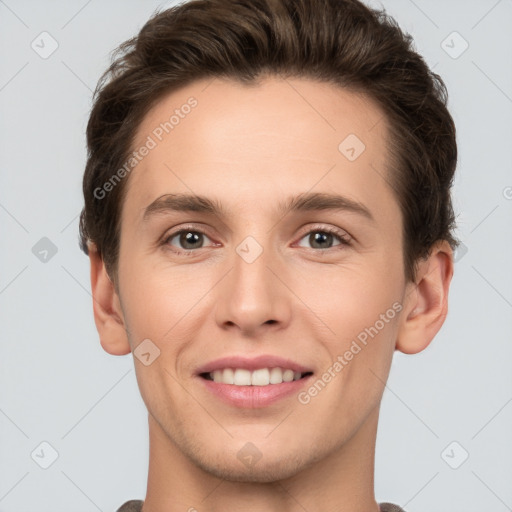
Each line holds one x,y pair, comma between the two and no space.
188,240
322,238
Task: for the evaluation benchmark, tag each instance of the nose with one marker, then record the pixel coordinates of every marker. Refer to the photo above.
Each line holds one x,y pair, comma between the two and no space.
251,297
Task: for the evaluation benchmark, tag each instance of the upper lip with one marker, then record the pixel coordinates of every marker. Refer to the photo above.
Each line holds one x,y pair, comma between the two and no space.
253,363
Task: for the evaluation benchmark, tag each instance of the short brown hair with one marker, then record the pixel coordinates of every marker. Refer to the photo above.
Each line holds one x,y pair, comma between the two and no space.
342,42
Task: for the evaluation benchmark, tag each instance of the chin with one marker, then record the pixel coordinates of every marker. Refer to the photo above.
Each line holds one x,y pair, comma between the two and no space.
265,467
261,472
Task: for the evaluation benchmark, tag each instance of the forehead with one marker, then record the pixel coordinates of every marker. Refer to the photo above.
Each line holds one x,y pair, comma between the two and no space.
252,140
240,108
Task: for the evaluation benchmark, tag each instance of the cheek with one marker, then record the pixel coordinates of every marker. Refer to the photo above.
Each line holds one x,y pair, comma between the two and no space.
360,307
155,299
352,296
360,359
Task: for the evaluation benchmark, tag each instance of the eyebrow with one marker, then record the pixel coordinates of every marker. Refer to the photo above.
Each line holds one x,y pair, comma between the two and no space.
312,201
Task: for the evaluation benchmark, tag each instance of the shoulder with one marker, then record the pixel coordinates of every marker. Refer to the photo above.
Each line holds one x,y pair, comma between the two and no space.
390,507
136,506
131,506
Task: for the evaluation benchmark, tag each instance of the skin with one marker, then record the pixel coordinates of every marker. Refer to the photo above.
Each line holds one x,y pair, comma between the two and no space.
250,148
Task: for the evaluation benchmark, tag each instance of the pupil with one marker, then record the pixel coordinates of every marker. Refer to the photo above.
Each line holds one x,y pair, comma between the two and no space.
320,237
189,238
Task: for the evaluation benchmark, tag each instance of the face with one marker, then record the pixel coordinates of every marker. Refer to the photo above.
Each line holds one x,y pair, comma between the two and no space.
292,260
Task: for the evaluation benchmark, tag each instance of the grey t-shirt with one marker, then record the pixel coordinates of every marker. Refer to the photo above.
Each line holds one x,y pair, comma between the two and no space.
136,506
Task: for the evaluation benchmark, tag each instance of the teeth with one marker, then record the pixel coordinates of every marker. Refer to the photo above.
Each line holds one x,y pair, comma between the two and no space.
260,377
276,376
288,375
242,378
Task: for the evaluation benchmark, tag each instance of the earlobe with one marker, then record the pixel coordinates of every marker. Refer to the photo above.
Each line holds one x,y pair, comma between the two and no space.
426,302
108,315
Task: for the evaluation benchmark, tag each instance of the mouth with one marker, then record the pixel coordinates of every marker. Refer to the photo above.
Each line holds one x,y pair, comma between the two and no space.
256,389
260,377
253,382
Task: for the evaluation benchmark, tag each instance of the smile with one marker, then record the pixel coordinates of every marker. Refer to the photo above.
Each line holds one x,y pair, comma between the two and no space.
260,377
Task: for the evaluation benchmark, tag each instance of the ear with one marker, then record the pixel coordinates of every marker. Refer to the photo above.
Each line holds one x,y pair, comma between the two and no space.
426,301
108,315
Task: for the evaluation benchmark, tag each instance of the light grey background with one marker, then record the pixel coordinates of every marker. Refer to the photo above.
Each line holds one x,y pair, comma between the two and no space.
58,385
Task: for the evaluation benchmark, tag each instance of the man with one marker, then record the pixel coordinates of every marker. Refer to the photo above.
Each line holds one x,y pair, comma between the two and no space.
268,218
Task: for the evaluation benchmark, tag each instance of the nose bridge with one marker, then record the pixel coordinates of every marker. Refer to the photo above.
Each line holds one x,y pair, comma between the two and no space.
251,278
252,295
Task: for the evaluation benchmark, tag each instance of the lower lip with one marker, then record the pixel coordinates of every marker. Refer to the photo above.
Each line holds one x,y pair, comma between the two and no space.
252,397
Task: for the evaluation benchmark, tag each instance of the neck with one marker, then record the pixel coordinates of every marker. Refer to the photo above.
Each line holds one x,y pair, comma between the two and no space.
341,482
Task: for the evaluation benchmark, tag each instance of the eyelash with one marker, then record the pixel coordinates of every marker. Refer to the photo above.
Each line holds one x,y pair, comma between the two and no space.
343,239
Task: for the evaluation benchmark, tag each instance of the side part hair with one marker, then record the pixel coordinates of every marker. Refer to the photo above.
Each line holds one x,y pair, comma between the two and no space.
342,42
